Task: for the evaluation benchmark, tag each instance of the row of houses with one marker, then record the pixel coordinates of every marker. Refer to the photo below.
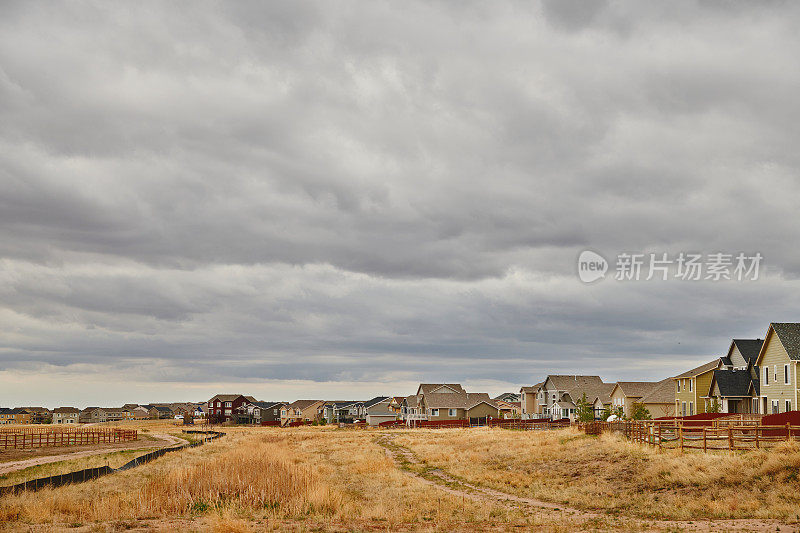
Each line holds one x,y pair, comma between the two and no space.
442,401
754,376
90,415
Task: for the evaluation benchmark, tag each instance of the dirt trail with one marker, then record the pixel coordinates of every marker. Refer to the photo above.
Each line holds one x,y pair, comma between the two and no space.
581,520
165,440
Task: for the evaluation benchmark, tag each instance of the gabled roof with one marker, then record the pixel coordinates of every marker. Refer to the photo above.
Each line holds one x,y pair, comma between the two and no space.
636,389
303,404
231,397
532,388
702,369
749,348
413,400
427,388
569,382
732,383
662,392
267,405
376,400
789,335
466,400
66,410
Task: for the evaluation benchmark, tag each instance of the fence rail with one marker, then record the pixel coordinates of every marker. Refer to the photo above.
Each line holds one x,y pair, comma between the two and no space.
25,438
677,435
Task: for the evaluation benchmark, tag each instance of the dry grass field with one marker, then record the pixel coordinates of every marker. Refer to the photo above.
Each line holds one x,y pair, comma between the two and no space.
321,479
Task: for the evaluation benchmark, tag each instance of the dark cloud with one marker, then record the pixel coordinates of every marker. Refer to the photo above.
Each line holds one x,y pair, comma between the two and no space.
357,192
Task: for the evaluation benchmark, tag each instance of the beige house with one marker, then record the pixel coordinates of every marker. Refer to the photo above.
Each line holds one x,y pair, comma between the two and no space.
691,389
778,362
660,401
477,407
66,415
302,410
558,396
529,401
735,385
626,393
93,415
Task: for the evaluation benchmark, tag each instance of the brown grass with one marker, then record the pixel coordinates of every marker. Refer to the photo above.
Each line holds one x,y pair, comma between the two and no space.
608,473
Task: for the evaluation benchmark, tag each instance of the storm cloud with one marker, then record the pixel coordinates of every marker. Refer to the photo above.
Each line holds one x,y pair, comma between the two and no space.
345,198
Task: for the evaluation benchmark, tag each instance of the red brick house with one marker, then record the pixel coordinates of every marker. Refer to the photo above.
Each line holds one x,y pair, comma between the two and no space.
221,407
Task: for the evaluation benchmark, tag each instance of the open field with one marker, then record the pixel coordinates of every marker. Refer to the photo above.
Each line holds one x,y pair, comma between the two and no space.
458,480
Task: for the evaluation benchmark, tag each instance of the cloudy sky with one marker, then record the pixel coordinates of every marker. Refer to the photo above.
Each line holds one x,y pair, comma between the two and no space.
342,199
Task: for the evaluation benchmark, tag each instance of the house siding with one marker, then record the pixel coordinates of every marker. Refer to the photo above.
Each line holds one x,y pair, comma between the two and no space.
773,354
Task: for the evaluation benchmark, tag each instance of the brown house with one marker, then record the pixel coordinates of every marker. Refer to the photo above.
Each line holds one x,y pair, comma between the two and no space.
302,411
221,407
477,407
66,415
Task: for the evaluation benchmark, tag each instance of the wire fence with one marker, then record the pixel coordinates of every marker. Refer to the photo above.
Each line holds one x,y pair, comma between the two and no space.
88,474
26,438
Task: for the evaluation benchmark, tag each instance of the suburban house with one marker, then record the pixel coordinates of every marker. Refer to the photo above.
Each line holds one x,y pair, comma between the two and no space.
302,411
660,401
221,406
477,407
7,416
378,410
410,410
691,388
529,401
343,411
558,396
66,415
626,393
138,412
507,409
38,415
778,361
509,397
95,415
396,404
258,412
735,385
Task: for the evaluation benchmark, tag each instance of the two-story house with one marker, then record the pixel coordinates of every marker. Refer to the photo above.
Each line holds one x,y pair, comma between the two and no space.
778,362
221,406
691,388
529,401
66,415
735,385
302,411
557,396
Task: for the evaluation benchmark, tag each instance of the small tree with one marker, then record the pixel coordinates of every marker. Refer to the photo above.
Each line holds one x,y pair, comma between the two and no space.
584,411
639,412
715,407
606,413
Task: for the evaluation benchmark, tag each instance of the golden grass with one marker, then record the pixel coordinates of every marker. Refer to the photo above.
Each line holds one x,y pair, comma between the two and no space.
610,474
332,479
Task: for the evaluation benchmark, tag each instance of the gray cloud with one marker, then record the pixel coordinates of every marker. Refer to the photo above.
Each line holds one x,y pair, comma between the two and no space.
359,192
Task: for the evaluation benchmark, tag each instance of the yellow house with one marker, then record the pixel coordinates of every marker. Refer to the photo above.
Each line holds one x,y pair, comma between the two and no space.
778,366
691,389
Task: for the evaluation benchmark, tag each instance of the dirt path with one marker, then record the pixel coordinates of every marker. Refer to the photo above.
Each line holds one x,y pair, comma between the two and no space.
165,440
581,520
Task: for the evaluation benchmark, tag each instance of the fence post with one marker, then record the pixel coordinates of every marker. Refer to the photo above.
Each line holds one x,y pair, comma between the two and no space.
788,432
705,447
731,444
757,429
680,436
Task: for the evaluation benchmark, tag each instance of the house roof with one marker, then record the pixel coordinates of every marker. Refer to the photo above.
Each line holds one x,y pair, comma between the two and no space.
303,404
566,405
506,395
231,397
428,388
593,391
661,392
267,405
733,383
749,348
376,400
413,400
569,382
465,400
163,408
636,389
702,369
66,410
532,388
789,335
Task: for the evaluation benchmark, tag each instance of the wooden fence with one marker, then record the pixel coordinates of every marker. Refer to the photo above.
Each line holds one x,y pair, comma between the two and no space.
25,438
676,435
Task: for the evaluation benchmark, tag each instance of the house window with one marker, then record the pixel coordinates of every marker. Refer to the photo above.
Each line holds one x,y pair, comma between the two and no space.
683,409
227,404
775,407
451,412
786,375
679,385
788,405
690,385
434,412
691,408
775,373
766,376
